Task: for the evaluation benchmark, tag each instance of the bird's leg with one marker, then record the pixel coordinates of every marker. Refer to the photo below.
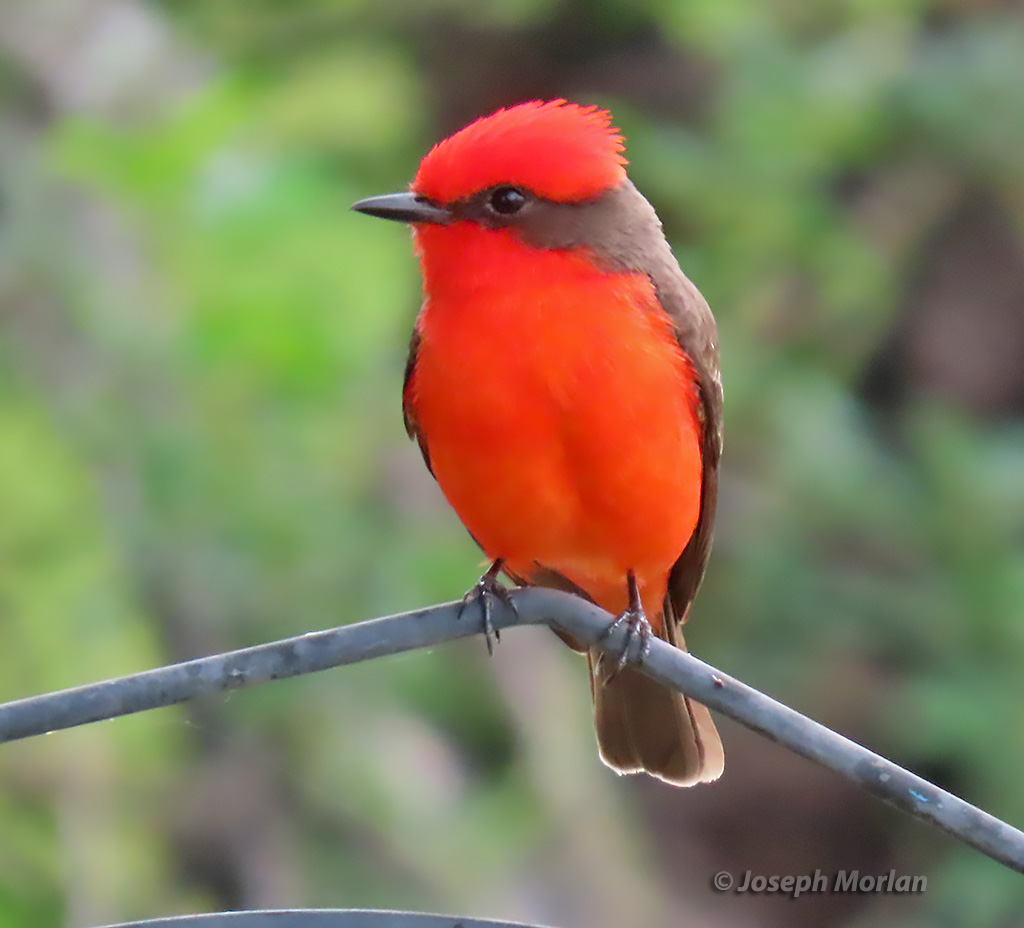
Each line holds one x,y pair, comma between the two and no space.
486,587
638,629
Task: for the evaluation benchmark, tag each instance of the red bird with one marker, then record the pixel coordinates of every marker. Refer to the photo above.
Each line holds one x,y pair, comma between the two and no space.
563,385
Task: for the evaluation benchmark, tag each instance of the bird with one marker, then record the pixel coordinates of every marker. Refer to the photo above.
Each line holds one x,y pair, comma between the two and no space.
564,387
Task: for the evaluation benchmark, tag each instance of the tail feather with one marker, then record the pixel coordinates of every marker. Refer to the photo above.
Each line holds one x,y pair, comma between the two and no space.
642,727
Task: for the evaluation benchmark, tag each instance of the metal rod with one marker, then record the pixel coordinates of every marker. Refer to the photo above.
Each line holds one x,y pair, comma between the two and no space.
570,614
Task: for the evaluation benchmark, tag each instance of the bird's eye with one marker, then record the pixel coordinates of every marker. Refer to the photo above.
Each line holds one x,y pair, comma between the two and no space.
507,200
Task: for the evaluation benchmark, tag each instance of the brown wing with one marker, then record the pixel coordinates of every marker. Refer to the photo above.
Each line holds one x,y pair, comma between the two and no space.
697,335
408,410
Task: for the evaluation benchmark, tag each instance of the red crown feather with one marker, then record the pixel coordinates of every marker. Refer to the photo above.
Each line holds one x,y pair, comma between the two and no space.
558,150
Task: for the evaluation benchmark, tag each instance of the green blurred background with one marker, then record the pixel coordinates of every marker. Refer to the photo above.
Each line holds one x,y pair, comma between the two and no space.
201,448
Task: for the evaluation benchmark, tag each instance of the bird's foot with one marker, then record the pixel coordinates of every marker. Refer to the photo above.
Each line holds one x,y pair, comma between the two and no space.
486,588
638,630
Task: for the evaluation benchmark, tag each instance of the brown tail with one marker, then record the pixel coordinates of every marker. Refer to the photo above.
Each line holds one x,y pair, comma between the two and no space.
642,727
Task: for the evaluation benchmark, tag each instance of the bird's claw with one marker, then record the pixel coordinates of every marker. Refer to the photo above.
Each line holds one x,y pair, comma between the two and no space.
638,632
638,639
483,590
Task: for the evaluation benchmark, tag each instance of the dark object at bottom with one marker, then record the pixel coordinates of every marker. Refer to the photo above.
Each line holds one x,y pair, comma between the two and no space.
320,918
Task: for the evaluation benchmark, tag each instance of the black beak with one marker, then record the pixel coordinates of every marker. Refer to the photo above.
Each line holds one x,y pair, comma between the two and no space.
403,207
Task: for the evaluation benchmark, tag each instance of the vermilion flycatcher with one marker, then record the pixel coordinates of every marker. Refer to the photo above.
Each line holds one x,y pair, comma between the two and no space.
564,388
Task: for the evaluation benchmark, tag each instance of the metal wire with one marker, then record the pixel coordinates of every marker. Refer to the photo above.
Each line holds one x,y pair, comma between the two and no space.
570,614
320,918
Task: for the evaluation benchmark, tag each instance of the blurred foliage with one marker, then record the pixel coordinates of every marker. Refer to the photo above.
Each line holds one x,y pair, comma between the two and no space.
201,448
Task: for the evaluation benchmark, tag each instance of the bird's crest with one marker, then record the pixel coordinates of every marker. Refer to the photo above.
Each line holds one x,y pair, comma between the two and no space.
558,150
